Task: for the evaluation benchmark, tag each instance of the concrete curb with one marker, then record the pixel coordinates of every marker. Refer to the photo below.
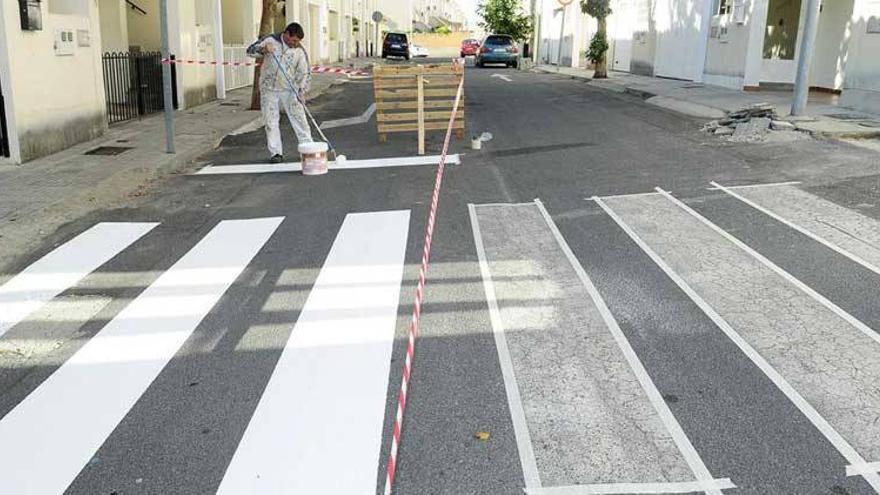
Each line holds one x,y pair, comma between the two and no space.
688,108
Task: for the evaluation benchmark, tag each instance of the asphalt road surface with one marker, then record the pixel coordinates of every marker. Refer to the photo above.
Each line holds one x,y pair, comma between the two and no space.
599,317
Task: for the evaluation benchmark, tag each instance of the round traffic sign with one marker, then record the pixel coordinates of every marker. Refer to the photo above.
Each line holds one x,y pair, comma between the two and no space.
377,16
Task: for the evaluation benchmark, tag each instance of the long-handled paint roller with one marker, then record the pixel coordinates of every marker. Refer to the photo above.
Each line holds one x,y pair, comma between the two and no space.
337,157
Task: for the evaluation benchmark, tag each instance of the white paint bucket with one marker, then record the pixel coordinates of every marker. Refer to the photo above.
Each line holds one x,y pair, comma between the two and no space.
314,158
476,143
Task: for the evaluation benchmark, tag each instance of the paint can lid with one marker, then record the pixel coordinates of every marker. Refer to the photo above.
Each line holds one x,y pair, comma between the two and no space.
315,147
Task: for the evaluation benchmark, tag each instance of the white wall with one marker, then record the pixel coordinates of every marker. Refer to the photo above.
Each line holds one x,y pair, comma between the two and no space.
832,44
114,25
45,119
726,56
682,30
861,87
143,29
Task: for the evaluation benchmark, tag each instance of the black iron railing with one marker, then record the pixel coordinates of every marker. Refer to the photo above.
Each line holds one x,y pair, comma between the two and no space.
4,132
133,85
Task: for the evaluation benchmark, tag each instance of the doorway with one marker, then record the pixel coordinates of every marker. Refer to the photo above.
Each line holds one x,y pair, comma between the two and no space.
781,41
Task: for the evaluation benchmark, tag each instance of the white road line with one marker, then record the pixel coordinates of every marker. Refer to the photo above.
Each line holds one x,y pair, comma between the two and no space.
870,468
821,424
268,168
502,77
490,205
701,472
852,320
318,425
531,476
54,431
651,193
752,186
636,488
360,119
62,268
811,235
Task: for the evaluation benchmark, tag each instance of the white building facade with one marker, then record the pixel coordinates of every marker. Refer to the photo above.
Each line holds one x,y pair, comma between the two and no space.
742,44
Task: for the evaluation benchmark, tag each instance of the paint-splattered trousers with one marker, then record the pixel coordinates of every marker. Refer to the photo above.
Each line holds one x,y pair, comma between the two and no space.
271,103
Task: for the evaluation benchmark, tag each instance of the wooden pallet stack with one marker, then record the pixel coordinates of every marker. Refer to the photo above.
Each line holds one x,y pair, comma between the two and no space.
417,99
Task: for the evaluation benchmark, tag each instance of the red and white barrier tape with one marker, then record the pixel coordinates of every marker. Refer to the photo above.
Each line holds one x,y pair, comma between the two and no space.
318,69
417,304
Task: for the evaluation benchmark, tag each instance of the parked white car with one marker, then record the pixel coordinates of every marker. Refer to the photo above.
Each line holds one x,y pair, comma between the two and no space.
417,51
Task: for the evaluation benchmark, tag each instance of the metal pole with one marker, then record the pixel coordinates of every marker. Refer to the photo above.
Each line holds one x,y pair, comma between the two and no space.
220,71
166,77
561,34
802,82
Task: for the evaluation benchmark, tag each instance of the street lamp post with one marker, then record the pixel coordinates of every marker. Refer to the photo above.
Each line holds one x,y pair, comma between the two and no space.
563,4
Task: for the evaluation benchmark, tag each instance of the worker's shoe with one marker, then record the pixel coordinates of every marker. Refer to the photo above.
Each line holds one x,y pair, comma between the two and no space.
276,159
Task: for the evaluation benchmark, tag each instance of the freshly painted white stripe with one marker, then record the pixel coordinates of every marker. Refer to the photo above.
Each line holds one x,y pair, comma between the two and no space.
636,488
821,424
503,77
847,237
62,268
751,186
53,432
870,468
268,168
360,119
852,320
527,460
701,472
318,425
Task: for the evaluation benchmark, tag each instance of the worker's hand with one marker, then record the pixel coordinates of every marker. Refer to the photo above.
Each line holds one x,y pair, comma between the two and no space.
269,48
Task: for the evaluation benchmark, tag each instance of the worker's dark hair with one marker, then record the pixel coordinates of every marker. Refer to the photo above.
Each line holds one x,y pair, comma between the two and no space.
294,29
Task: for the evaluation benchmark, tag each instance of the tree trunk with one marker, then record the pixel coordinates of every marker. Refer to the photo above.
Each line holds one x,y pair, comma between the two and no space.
602,66
266,23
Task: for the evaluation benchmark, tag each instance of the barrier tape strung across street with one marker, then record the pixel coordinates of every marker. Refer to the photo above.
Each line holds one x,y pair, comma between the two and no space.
417,303
317,69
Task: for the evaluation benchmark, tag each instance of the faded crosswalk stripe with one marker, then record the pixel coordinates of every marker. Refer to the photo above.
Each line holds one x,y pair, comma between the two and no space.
318,425
846,231
583,388
62,268
823,359
53,432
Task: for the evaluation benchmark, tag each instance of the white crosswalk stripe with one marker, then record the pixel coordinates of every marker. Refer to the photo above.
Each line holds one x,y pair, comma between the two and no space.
574,381
50,436
318,426
62,268
586,365
785,327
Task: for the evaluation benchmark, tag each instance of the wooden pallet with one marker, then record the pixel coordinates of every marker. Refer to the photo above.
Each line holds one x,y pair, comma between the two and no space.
417,99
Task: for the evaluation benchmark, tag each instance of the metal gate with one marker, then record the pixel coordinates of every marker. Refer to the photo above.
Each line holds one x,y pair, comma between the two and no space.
4,132
133,85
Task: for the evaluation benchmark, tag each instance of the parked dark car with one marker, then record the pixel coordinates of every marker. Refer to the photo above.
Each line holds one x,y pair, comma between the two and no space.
469,47
395,45
498,49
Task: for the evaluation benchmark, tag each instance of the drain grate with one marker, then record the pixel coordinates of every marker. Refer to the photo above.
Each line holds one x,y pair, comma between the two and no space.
229,104
108,150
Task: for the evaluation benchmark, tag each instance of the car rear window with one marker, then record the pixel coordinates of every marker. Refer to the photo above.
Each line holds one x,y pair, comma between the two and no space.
499,40
396,38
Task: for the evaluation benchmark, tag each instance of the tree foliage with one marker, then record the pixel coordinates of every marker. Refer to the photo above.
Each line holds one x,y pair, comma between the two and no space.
505,17
598,9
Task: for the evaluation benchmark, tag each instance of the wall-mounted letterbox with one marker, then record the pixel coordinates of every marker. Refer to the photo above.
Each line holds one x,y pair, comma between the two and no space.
31,15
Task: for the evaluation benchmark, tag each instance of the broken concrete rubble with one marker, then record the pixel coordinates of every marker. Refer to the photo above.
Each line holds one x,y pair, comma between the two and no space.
749,124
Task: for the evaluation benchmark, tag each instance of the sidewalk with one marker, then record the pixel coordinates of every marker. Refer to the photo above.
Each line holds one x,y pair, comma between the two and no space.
39,196
715,102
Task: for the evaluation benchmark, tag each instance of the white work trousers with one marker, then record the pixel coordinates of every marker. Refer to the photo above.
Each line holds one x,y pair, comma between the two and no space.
271,103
